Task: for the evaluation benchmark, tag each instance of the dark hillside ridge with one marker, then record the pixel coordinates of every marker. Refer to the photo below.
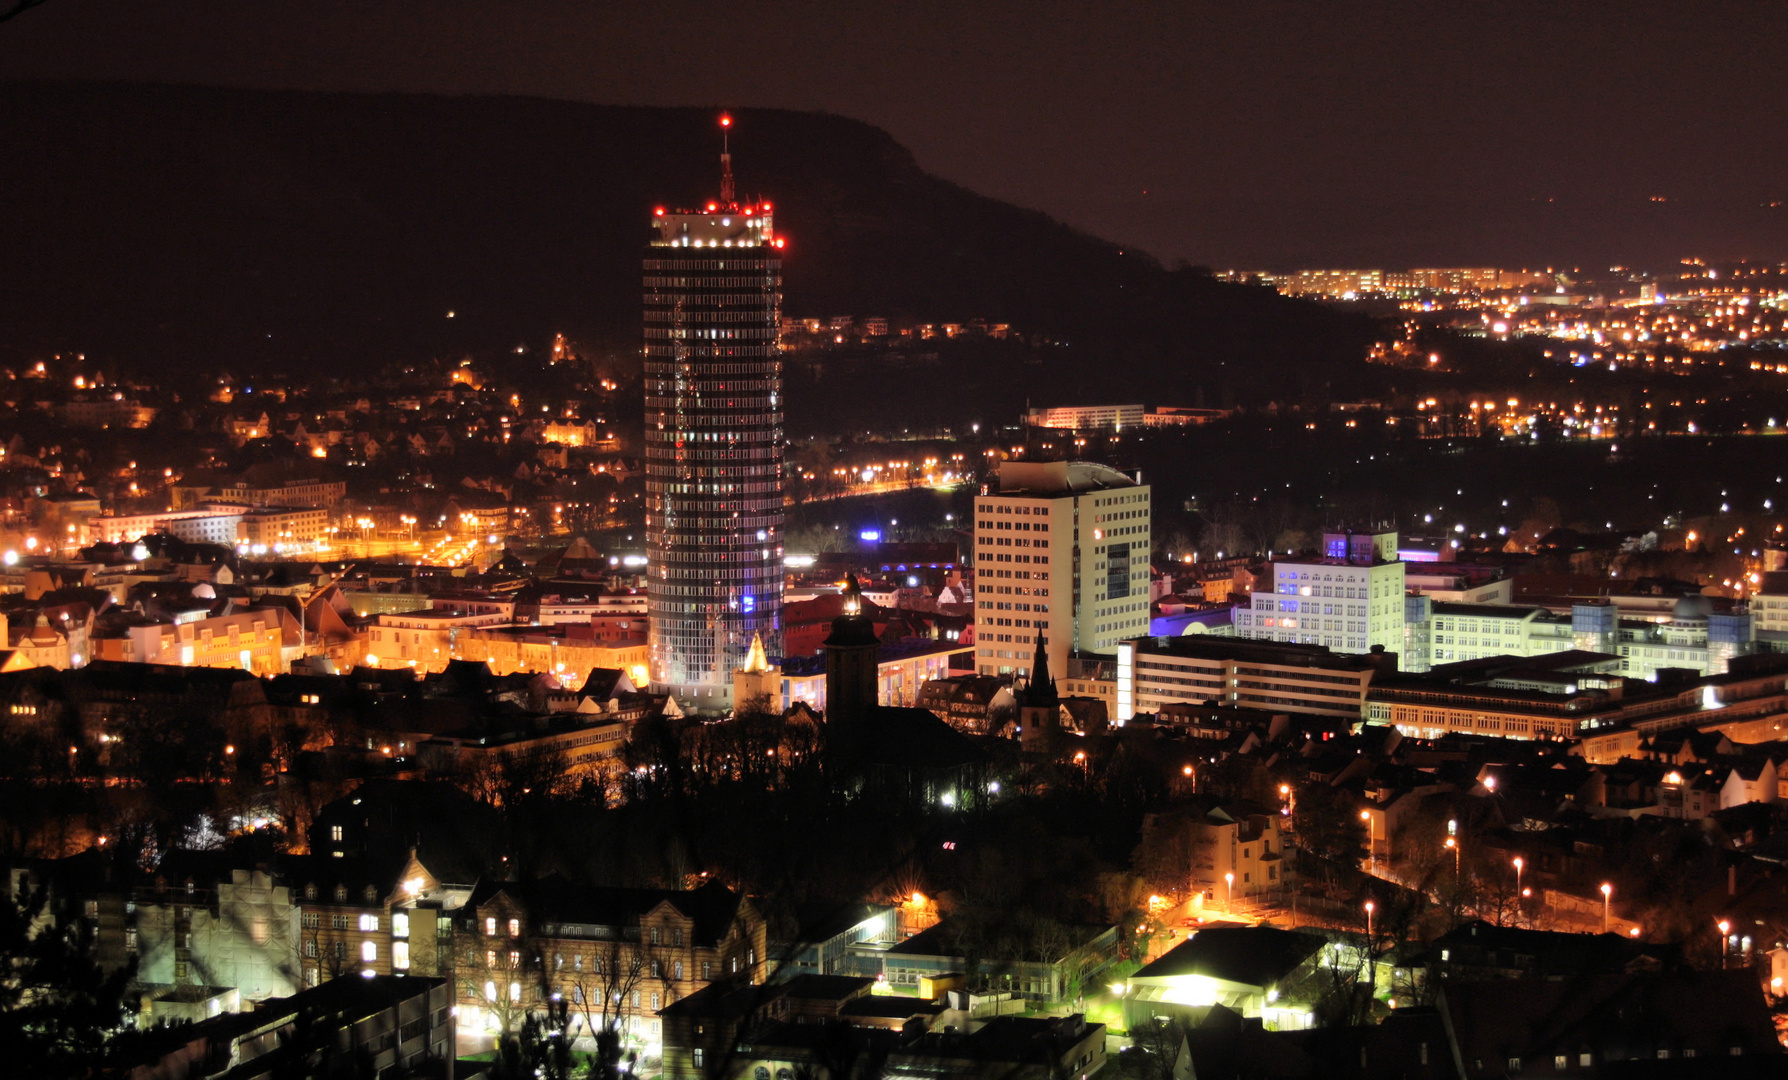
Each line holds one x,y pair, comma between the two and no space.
176,228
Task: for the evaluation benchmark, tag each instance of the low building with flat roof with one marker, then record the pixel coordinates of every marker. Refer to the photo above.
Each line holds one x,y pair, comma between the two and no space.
1257,971
385,1023
1279,676
1581,695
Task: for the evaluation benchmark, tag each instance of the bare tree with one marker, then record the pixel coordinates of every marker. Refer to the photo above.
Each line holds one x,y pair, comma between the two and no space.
601,988
1160,1040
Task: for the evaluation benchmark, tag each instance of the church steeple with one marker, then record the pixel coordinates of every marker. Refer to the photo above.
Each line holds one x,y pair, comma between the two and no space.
1039,722
755,660
757,684
1041,688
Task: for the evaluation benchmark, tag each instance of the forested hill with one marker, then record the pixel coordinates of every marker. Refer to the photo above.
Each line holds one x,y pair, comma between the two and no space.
173,228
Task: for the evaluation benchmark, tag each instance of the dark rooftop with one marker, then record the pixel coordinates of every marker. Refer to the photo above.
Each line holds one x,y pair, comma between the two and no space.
1253,956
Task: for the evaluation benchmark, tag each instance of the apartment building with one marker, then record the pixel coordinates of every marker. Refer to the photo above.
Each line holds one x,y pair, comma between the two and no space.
423,640
254,640
613,955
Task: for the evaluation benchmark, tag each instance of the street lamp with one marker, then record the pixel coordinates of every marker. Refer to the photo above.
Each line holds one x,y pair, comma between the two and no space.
1607,891
1229,888
1371,840
1371,953
1453,843
1518,892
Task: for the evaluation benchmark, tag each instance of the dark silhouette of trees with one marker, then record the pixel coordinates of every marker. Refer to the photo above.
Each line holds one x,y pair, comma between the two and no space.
540,1049
58,1008
1328,825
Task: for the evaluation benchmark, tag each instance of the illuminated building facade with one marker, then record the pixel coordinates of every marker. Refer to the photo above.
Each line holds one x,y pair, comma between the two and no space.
714,444
1086,417
1351,598
1062,548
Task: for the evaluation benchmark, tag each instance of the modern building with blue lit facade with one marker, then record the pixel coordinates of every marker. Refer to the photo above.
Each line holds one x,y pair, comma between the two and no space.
714,444
1348,599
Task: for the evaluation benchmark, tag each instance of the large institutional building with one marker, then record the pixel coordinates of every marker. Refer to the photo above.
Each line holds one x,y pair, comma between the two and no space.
1061,548
1349,599
714,443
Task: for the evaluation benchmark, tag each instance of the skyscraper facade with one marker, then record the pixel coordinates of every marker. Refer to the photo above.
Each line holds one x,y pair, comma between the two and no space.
714,444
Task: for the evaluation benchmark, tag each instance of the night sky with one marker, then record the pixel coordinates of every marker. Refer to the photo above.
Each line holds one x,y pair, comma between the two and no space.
1252,135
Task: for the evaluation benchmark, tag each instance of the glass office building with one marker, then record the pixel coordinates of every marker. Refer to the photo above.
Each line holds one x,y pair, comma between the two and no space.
714,445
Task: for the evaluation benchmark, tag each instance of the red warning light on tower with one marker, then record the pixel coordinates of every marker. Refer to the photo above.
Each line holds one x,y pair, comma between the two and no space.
725,120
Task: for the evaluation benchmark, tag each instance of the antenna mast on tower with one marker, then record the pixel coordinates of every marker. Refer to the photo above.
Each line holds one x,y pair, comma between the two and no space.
726,162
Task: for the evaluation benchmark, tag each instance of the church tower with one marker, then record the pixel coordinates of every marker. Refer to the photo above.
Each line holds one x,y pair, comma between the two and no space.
1039,706
757,683
850,665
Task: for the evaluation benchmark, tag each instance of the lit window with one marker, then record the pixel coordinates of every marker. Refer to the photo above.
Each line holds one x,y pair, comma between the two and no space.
369,951
400,955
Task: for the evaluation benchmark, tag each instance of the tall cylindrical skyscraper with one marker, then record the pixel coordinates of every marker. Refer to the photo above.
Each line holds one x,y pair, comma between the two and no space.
714,444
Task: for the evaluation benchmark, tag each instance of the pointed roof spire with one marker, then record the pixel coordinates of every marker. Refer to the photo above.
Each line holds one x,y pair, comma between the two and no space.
726,161
755,660
1041,688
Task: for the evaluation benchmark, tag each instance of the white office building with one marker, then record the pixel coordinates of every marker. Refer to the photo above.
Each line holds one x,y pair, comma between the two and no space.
1349,599
1086,417
1063,548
